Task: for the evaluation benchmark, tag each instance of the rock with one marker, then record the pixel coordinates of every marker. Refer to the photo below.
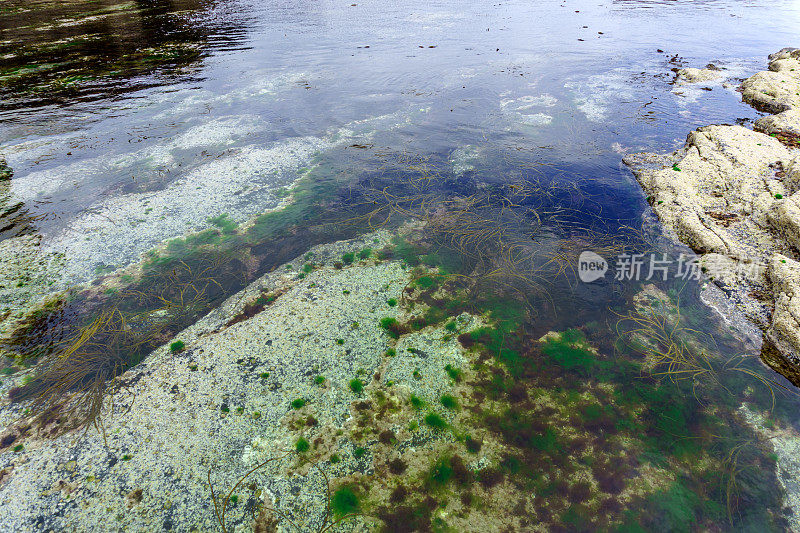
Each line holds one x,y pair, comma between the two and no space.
6,173
733,195
223,405
787,121
696,75
792,178
717,190
775,90
784,273
27,277
785,442
784,58
784,215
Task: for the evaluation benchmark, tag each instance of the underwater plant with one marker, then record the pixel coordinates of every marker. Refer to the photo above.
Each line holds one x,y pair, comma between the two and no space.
341,504
298,403
71,383
356,385
302,445
344,501
658,334
449,402
435,421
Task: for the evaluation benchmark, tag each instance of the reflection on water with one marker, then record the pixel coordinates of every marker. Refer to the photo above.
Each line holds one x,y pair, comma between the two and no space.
159,133
58,52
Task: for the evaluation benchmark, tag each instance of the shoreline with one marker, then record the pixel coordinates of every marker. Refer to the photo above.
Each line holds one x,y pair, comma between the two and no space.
378,371
733,196
227,401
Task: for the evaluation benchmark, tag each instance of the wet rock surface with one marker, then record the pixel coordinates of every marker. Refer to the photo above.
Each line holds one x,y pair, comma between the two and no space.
249,385
697,75
222,404
731,194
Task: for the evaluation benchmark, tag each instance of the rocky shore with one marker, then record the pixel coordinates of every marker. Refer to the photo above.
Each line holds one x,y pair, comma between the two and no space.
733,195
290,382
363,382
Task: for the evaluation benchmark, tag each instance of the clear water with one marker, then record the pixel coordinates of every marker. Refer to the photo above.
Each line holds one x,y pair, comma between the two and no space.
138,124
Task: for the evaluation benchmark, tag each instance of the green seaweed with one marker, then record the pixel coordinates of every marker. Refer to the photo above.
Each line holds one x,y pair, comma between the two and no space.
302,445
224,223
356,385
416,402
345,501
449,402
435,421
453,372
298,403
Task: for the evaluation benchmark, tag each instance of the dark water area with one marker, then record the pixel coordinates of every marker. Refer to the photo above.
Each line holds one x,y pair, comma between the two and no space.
60,53
165,133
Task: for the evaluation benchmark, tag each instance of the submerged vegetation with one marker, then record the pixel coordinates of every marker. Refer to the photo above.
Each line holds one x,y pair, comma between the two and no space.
623,426
55,56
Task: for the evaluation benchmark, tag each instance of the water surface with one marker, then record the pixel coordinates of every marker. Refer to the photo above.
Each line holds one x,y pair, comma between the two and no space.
130,123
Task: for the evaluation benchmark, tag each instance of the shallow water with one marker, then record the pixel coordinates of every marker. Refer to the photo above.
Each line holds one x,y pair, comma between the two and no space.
130,123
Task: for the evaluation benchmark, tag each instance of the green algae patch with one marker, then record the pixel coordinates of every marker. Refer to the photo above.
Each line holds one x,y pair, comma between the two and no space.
435,421
345,501
449,402
298,403
225,224
392,327
356,385
571,351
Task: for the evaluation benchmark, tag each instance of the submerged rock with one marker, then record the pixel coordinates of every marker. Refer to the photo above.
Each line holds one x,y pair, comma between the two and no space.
785,441
731,194
6,172
245,387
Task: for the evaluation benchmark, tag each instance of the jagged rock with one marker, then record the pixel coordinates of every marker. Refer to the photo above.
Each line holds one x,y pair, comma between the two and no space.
775,90
733,195
697,75
784,273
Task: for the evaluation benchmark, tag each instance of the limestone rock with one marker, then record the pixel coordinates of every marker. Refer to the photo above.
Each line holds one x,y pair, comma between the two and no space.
787,121
716,193
784,273
697,75
784,216
775,90
733,195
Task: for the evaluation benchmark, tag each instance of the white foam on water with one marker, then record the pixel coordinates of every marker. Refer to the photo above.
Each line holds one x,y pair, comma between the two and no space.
597,94
242,184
